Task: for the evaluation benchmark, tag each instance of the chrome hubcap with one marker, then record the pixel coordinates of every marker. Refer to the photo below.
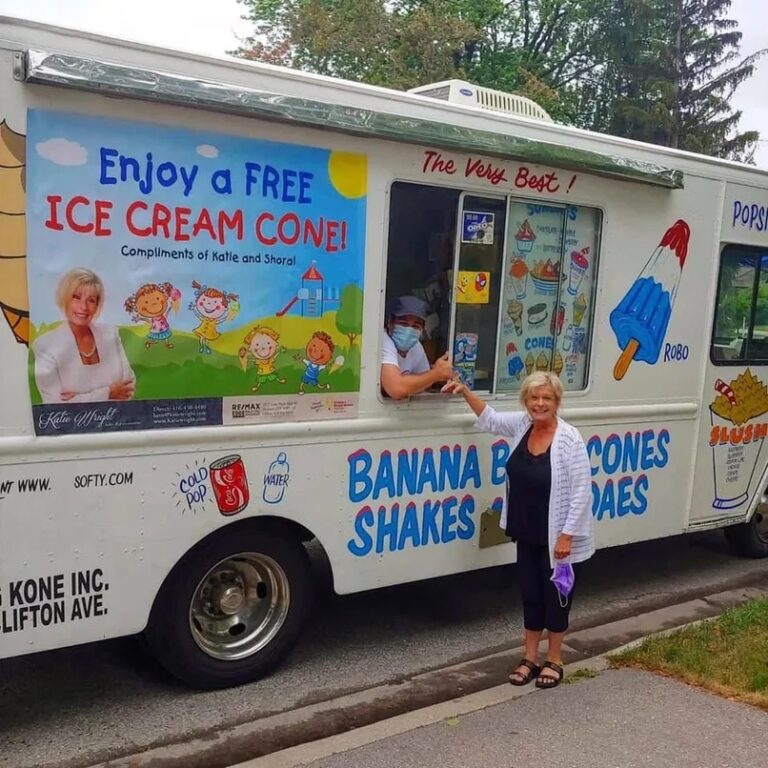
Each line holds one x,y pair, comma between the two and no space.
239,606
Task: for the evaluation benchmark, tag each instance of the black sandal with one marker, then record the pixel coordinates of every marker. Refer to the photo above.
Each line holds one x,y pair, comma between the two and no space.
518,678
547,681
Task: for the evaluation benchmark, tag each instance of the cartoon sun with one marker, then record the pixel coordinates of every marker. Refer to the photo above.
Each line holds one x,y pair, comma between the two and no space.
14,302
348,173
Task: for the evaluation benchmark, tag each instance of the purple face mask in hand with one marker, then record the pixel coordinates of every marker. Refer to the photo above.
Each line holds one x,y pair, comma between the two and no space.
563,578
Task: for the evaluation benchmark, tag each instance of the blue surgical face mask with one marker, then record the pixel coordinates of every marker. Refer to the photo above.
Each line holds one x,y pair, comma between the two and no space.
405,337
563,578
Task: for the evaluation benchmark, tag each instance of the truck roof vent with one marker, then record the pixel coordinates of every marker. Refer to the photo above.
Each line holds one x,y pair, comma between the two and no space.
462,92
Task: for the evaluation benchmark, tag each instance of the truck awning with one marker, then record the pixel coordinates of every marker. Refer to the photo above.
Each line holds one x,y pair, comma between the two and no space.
110,78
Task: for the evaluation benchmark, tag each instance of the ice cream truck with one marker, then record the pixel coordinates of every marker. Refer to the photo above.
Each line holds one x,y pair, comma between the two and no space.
196,260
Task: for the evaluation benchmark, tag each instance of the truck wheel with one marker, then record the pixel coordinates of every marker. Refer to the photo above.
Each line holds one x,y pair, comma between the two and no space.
232,608
750,539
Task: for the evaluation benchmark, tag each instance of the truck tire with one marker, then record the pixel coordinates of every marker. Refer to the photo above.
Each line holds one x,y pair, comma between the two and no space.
232,607
750,539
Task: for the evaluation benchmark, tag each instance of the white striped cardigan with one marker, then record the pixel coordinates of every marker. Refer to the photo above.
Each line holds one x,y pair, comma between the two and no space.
570,500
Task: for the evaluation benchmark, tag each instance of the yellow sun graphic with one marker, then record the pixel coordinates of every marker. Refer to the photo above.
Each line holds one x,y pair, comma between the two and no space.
348,174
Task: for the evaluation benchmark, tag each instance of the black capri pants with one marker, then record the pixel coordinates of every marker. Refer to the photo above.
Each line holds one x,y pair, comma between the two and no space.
541,600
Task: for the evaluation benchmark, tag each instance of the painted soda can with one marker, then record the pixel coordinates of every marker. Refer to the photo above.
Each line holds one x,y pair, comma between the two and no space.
230,484
556,324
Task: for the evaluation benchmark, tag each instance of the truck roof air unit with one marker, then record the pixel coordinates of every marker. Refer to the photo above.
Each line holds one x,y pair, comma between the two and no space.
462,92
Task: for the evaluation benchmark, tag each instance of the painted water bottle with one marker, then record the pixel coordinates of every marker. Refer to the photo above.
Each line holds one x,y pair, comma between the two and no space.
276,479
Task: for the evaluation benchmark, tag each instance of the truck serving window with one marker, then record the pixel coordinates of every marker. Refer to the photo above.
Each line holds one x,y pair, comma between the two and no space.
510,283
740,332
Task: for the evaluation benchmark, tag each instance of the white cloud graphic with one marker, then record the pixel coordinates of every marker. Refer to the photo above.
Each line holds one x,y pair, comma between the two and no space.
207,150
62,152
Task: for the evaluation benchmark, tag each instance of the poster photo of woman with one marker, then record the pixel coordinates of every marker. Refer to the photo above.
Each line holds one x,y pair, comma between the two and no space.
81,360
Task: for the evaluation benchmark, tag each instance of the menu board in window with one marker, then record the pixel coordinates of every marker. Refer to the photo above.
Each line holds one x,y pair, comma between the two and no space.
529,318
577,297
547,297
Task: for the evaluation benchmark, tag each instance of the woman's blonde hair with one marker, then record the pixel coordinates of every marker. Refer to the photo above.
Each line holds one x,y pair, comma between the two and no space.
74,279
542,379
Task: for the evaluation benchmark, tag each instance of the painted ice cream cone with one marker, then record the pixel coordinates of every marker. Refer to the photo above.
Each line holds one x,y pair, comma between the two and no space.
557,366
529,363
542,362
14,300
243,357
515,313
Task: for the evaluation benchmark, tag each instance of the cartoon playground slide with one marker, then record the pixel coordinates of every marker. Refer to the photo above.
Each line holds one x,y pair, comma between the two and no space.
312,295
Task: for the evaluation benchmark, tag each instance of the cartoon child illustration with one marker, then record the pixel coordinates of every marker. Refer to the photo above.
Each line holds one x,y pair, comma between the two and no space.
152,303
212,307
261,345
319,353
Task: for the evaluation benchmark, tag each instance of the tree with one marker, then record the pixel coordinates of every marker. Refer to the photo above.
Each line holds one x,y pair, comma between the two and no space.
675,65
539,48
349,318
374,41
708,71
660,71
543,49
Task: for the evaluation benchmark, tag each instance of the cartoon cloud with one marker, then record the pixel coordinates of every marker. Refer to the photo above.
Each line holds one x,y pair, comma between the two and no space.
14,301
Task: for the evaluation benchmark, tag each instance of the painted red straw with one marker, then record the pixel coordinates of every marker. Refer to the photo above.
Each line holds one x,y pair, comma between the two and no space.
724,389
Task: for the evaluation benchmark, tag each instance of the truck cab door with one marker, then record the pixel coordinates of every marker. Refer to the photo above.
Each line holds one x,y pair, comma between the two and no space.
732,450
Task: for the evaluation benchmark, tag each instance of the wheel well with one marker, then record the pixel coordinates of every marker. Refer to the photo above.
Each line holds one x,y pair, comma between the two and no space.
271,523
262,522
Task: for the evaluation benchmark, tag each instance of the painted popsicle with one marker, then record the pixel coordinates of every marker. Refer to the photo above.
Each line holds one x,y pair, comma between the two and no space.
515,364
640,320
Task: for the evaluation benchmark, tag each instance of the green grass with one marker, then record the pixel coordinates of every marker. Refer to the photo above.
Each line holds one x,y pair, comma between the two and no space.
728,655
182,372
580,674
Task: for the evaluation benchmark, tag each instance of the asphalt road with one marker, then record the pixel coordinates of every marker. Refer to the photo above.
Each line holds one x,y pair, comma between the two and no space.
80,706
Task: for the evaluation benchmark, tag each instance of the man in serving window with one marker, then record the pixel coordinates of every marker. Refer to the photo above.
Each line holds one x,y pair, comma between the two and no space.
405,369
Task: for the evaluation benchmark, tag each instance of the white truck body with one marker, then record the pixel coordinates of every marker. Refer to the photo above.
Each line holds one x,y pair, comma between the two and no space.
94,518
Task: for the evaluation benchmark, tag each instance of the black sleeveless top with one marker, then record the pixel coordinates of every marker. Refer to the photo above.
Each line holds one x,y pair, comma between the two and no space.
530,484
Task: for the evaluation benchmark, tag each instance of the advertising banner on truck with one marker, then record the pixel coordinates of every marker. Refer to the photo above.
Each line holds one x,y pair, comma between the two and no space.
187,279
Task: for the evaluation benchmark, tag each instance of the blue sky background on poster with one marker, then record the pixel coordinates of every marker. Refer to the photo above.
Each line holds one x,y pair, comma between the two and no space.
66,162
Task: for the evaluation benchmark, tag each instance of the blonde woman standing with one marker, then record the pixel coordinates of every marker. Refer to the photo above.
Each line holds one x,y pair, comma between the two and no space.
548,513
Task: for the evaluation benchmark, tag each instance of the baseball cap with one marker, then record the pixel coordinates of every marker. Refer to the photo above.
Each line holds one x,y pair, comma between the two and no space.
410,305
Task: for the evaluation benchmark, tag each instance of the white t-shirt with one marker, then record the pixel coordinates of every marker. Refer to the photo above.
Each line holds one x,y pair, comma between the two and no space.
415,361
